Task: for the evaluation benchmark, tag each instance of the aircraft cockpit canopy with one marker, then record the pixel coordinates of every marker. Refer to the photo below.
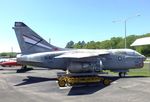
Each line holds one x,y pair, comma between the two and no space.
128,52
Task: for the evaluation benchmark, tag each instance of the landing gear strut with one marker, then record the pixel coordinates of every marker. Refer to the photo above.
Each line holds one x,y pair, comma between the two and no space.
24,69
122,74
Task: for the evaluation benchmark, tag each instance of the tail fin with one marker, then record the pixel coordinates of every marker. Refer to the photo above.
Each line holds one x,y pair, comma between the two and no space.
30,42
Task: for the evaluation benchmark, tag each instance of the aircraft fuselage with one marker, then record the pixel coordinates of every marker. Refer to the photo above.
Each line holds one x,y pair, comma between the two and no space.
116,60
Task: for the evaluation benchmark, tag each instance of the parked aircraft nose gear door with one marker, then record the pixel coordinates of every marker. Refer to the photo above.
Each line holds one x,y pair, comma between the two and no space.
99,65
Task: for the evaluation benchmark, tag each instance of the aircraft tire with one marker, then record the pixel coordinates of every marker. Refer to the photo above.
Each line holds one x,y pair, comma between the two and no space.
3,66
122,74
106,82
61,83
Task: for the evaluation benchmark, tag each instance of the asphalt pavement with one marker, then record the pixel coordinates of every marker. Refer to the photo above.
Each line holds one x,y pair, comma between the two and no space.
41,86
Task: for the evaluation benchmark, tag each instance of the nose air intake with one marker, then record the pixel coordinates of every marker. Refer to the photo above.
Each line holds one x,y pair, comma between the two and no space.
143,57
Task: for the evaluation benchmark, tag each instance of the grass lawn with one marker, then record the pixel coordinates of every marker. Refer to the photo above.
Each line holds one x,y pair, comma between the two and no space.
145,71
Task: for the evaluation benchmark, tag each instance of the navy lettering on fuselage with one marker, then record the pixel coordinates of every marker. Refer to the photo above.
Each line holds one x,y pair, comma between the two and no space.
119,58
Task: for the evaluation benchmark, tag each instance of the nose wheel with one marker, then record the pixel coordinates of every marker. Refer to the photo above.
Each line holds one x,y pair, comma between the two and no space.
122,74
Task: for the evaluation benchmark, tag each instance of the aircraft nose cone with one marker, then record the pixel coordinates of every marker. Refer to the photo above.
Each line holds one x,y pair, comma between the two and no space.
143,57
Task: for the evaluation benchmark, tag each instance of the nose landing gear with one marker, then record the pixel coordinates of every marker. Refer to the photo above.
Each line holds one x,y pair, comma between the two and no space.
122,74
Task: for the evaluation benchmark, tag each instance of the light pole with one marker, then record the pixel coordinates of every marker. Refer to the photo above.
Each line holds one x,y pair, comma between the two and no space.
125,27
125,33
49,40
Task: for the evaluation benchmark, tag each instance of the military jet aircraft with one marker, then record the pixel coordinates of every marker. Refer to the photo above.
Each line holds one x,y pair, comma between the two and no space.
35,51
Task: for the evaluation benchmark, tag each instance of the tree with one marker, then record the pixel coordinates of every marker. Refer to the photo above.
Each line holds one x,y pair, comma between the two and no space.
90,45
83,44
4,54
78,45
70,44
8,54
106,44
113,43
130,40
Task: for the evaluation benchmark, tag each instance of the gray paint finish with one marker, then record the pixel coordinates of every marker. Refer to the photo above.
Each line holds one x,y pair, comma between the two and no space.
38,52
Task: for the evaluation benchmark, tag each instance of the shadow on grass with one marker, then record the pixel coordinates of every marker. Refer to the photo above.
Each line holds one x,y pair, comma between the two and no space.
137,76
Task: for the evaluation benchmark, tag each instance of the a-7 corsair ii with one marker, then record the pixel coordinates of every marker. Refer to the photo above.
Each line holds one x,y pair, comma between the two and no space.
35,51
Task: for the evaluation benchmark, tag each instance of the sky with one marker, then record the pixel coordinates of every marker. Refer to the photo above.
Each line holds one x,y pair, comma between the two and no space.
76,20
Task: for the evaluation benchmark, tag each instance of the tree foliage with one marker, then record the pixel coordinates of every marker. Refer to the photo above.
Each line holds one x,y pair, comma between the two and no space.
8,54
70,44
113,43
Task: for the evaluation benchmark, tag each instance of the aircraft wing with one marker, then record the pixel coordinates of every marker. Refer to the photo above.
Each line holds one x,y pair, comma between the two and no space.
82,54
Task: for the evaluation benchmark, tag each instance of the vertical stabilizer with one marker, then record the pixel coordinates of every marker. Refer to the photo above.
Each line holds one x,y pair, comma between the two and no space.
30,42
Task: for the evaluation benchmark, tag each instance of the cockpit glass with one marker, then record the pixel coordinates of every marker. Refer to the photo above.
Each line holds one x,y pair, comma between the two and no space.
136,53
128,52
133,53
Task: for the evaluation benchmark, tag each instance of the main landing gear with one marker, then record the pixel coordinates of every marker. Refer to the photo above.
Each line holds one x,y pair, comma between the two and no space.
122,74
77,79
24,69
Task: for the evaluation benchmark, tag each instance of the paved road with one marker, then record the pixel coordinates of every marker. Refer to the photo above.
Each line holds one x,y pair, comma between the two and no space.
41,86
